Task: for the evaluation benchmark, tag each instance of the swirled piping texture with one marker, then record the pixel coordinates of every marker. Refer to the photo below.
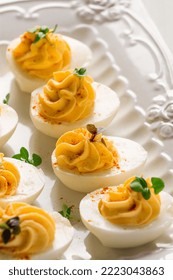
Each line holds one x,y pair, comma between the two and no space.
37,230
122,206
9,177
67,97
75,151
51,53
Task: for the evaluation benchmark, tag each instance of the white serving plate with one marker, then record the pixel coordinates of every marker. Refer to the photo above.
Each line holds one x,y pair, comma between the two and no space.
114,64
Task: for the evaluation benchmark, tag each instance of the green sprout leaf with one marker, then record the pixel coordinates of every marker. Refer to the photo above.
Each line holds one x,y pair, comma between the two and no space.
36,160
142,181
157,184
24,156
24,153
39,36
136,186
40,32
33,30
6,99
80,72
44,29
146,193
66,211
140,185
18,156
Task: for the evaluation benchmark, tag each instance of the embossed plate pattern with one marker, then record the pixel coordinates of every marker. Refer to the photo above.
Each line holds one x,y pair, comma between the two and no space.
111,60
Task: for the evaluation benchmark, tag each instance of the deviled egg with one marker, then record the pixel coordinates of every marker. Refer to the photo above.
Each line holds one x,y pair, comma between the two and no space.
33,233
8,122
85,160
71,100
122,217
19,181
39,52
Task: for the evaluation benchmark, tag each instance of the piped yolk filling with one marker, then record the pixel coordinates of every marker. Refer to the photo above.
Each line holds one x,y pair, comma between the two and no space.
66,97
9,177
37,230
40,59
75,151
122,206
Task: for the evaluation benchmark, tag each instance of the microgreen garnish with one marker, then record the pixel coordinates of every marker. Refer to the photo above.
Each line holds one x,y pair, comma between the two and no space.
80,72
94,131
33,30
24,156
40,32
66,211
10,227
39,36
44,29
6,99
140,185
157,184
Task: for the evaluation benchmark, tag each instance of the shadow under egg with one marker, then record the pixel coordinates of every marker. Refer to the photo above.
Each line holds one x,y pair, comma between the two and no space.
96,249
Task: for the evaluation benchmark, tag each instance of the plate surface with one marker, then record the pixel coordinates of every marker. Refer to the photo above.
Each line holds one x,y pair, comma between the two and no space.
112,65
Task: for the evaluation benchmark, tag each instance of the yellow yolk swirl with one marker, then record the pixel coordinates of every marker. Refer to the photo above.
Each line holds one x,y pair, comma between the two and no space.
9,177
122,206
37,230
67,97
75,151
44,57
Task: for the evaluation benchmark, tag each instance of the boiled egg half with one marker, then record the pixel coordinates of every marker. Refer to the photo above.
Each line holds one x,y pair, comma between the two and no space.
106,105
31,182
8,122
81,55
116,236
132,157
46,235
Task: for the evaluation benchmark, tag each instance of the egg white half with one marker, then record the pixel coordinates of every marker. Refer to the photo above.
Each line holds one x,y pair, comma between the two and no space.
132,160
63,237
81,57
30,185
105,108
8,122
114,236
